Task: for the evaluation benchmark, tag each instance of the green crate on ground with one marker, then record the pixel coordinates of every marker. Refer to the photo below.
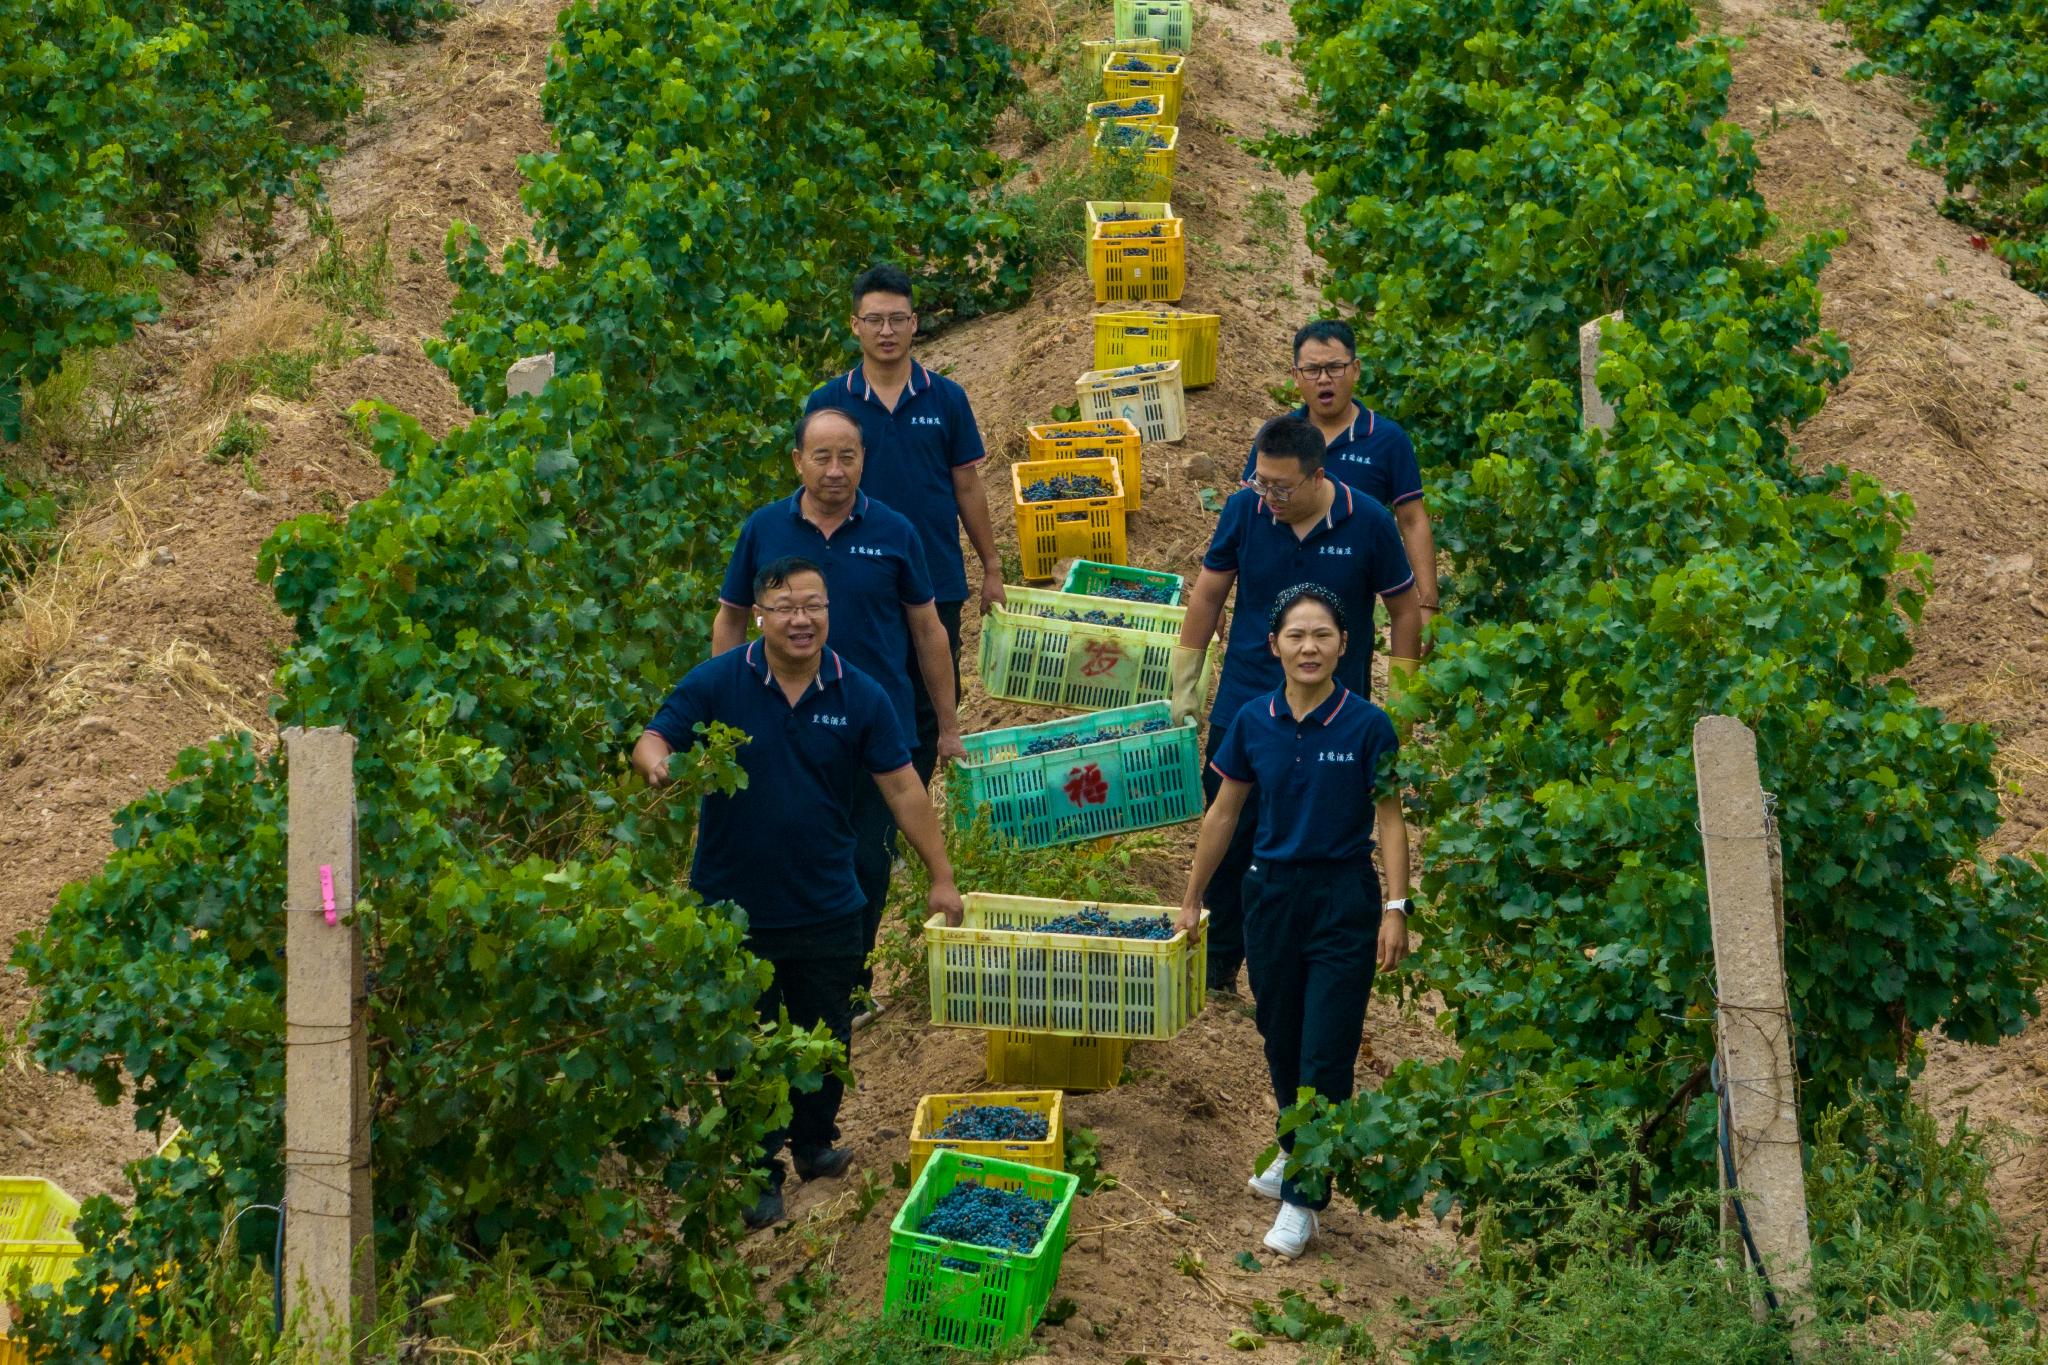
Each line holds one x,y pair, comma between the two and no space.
1172,22
975,1298
1047,1153
1055,1060
1089,579
997,969
1134,779
1035,649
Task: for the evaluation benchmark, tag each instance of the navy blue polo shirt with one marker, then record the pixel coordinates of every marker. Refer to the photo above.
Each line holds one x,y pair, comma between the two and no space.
1355,551
1373,455
781,847
874,568
911,455
1316,778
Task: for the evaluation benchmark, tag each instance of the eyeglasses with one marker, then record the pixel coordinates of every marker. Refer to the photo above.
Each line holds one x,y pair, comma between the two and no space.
886,322
1276,493
807,610
1329,371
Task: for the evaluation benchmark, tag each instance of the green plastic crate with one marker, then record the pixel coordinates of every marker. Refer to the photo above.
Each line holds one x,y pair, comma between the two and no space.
1088,578
987,1298
1135,780
1032,650
1172,22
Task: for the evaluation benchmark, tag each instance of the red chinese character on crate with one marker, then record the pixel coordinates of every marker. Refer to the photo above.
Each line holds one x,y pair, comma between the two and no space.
1100,657
1085,786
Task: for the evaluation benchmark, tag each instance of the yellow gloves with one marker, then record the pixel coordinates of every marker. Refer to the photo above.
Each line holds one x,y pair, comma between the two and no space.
1186,696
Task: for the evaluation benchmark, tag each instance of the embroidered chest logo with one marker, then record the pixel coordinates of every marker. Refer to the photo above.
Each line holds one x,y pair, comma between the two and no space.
868,550
926,422
1335,756
1336,549
829,720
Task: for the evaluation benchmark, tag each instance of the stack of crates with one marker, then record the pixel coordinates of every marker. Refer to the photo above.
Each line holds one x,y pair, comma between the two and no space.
1113,439
1136,251
1135,75
1152,149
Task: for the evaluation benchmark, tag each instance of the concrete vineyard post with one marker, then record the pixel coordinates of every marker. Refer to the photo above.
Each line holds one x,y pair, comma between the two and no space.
1595,410
1753,1020
330,1272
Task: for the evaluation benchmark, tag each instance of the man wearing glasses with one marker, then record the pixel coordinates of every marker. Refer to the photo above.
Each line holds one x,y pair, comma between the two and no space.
924,454
1292,523
1367,450
882,600
781,847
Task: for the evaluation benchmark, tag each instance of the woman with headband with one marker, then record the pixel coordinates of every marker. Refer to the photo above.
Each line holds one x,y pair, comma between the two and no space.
1320,758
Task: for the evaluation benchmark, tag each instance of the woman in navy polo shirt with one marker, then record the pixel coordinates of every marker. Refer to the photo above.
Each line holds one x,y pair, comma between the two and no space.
1321,759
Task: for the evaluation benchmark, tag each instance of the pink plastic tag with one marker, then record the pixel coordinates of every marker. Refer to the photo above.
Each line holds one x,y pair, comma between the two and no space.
327,890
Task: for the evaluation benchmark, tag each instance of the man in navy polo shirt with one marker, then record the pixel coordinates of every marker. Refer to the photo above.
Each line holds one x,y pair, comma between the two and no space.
881,610
781,847
924,455
1294,524
1365,449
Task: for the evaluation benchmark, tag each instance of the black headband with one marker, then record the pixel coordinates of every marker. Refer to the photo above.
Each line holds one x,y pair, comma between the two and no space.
1314,592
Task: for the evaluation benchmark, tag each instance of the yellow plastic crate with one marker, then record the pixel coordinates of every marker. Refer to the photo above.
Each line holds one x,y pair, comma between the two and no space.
1145,262
1137,112
1048,1153
1149,397
1054,1059
1114,439
1156,151
34,1210
1095,51
1037,648
1068,528
1143,336
997,971
1145,74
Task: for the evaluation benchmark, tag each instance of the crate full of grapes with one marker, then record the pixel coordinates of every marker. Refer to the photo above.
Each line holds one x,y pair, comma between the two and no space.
1061,781
1024,1126
1150,154
1131,75
1149,397
975,1250
1061,649
1073,967
1068,509
1138,260
1114,439
1125,582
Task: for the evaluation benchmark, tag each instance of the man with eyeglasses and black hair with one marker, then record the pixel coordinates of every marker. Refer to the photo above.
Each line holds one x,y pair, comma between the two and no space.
781,847
924,455
1367,450
874,573
1292,523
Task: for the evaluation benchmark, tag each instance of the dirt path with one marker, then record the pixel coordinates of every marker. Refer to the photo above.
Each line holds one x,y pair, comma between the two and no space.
176,639
1949,403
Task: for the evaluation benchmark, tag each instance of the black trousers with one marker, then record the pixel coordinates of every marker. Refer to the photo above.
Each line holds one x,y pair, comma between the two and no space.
1311,933
924,751
874,853
1225,894
815,966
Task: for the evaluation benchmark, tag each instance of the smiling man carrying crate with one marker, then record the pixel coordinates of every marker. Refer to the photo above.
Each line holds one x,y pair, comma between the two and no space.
781,848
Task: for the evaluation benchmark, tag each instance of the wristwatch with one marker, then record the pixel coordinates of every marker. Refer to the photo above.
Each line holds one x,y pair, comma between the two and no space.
1402,905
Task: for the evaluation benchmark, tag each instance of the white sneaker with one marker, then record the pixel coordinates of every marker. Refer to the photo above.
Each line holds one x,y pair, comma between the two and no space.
1292,1230
1266,1184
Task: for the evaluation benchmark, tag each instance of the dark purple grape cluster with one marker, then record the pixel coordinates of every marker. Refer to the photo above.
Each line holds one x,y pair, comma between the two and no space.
1142,369
1118,216
1133,64
1157,594
1050,744
1130,110
1095,616
1061,487
1098,924
979,1215
1132,135
994,1123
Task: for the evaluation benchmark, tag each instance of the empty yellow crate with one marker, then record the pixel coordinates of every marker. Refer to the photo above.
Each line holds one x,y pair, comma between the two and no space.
1113,439
997,970
1155,149
1145,74
1068,528
1138,262
1047,1153
1149,397
1054,1059
1095,51
1139,337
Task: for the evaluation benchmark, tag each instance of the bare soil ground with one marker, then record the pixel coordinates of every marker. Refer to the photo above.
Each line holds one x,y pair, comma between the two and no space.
1948,403
155,633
